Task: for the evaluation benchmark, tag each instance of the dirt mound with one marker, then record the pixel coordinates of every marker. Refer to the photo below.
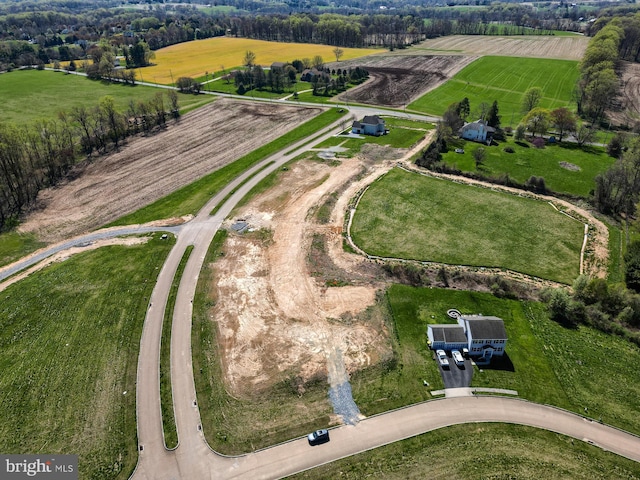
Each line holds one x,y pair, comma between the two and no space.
149,168
396,80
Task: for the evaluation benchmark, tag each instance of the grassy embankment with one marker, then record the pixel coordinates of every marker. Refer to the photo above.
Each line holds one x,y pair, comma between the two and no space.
575,176
504,79
191,198
193,59
166,396
69,341
14,245
402,134
486,450
464,225
51,92
238,425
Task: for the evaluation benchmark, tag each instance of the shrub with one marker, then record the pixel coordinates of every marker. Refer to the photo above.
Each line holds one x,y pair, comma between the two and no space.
538,142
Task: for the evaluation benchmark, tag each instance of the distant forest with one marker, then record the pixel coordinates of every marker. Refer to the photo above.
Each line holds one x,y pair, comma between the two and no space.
34,32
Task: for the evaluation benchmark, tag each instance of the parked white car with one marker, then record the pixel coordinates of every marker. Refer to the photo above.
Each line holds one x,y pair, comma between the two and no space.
457,357
442,358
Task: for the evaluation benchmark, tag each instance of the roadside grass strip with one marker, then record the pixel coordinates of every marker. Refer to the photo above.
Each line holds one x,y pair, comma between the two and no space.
69,342
486,450
504,79
191,198
14,246
49,92
565,167
166,397
409,216
239,425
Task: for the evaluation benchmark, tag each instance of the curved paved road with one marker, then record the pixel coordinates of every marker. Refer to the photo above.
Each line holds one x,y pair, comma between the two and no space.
194,459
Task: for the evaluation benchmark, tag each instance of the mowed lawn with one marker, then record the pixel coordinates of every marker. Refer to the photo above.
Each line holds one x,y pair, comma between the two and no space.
504,79
556,163
407,215
28,95
69,340
193,59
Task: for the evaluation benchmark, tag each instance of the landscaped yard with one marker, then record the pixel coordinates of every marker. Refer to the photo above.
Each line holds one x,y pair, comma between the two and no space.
402,134
69,340
566,168
546,363
411,216
47,93
504,79
485,450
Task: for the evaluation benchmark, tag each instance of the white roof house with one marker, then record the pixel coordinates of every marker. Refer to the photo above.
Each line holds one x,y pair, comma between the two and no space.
476,131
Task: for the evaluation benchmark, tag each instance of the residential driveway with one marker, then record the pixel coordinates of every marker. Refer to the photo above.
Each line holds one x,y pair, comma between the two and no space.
456,377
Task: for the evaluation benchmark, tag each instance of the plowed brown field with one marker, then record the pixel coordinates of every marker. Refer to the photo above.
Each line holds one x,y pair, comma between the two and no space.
567,48
396,80
148,168
627,112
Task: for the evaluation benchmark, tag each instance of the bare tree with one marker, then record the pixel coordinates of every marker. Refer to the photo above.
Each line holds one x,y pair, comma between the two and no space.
249,59
338,52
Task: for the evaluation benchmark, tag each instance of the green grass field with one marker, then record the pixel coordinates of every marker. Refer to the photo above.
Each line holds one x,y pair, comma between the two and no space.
69,340
14,245
406,215
504,79
191,198
488,450
528,160
47,93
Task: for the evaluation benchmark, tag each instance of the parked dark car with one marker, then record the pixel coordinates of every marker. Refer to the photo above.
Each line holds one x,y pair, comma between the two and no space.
318,437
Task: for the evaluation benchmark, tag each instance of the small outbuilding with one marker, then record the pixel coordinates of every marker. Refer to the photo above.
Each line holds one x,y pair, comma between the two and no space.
369,125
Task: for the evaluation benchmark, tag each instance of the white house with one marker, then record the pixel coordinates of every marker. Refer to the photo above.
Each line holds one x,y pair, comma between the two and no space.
477,131
486,336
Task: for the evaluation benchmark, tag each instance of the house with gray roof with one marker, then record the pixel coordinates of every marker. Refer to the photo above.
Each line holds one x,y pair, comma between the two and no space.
477,131
483,336
369,125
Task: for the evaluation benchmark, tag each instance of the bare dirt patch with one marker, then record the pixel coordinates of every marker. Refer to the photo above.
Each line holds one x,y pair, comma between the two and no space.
397,80
278,308
567,48
570,166
626,111
149,168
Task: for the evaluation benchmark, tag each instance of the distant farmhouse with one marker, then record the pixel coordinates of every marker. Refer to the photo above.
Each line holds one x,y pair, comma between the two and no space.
278,67
370,125
313,74
477,131
483,337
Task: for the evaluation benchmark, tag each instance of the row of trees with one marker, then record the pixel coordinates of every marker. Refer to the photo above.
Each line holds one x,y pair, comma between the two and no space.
36,156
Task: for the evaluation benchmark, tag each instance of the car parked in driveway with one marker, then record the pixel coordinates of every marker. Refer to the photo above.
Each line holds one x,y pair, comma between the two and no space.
457,357
318,437
442,358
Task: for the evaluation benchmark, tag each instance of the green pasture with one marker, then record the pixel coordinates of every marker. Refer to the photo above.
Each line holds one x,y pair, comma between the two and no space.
69,341
504,79
191,198
411,216
29,95
14,246
240,425
486,450
541,162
